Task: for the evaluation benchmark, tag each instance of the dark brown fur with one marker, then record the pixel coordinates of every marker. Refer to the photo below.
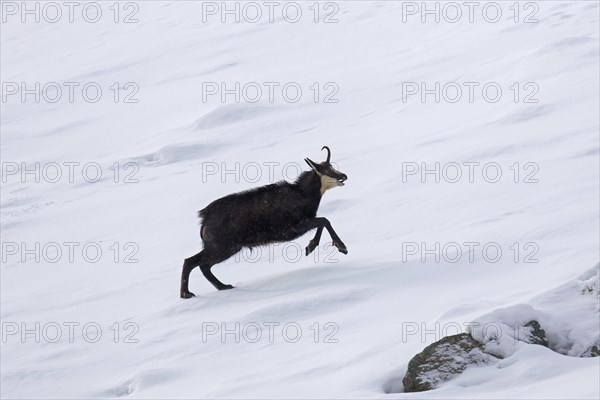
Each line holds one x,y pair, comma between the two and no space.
279,212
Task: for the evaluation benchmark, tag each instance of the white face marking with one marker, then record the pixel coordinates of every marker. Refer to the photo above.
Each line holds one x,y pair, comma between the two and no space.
328,182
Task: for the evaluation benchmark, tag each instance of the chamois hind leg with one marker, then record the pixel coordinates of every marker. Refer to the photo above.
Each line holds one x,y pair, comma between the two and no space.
214,256
188,265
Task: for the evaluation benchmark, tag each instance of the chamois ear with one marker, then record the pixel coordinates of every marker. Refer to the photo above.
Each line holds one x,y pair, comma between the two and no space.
312,164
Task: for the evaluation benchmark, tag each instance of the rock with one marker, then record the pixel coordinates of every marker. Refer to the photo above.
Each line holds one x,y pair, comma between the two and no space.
589,282
593,351
443,360
535,334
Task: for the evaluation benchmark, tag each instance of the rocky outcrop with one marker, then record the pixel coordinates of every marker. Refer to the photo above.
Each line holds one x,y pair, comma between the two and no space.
442,361
593,351
535,334
498,334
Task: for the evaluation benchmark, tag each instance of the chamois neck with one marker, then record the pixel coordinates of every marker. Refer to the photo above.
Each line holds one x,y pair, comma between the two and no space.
309,182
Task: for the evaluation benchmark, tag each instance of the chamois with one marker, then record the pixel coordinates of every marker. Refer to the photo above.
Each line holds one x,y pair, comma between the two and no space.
279,212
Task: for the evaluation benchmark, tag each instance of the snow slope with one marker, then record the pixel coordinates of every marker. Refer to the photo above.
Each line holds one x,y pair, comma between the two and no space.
374,308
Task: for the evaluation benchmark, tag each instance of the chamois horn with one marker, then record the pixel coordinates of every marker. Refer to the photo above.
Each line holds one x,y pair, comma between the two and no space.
328,153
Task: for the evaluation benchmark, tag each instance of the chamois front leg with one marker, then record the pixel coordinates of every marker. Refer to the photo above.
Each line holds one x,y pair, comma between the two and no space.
321,223
312,245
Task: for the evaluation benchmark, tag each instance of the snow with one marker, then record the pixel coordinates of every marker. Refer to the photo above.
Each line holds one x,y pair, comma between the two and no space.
373,309
567,315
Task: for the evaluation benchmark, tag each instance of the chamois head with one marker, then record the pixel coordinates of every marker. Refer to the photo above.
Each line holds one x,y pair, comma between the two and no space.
330,177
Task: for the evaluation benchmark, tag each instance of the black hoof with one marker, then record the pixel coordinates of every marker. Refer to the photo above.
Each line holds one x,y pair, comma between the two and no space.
310,248
187,295
226,287
341,247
